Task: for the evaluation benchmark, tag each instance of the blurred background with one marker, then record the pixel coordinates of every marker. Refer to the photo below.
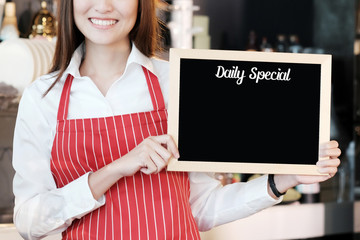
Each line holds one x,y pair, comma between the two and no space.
330,210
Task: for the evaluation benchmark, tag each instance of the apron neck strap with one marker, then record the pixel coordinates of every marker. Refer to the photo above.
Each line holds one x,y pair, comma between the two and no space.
64,99
154,90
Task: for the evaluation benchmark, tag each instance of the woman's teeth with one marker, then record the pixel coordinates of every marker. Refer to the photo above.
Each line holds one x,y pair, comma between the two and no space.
103,22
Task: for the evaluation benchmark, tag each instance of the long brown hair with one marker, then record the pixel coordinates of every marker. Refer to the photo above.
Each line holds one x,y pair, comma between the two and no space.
145,34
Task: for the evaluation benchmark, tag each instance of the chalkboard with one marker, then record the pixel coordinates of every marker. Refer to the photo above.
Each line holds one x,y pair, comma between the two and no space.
248,112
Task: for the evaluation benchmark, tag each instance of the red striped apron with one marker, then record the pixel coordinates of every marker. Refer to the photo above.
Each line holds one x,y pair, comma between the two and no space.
138,207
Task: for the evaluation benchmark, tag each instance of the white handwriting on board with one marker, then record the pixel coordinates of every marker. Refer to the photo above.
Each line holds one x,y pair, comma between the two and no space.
257,75
233,73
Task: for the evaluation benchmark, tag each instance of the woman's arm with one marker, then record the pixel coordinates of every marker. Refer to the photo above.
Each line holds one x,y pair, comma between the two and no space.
40,207
213,205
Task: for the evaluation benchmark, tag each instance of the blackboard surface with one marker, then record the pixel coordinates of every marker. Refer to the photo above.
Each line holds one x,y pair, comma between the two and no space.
241,111
271,121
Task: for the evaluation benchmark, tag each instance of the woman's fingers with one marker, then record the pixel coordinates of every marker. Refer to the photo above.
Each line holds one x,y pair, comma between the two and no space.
328,166
159,151
328,170
159,161
168,142
333,162
333,152
149,167
330,144
330,149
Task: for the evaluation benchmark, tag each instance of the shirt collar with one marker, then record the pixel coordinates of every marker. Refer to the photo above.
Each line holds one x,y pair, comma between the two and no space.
138,57
75,62
135,57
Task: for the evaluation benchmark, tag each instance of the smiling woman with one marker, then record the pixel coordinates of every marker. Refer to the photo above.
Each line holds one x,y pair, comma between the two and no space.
144,34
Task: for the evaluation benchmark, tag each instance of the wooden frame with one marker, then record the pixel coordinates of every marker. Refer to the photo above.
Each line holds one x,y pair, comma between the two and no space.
180,58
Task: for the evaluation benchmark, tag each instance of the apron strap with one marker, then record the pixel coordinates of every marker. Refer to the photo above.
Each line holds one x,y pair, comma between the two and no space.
154,90
64,99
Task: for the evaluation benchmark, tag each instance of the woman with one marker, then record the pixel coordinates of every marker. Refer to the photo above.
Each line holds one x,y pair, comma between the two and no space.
90,144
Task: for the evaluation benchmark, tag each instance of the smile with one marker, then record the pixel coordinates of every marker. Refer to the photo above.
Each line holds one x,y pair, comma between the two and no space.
102,22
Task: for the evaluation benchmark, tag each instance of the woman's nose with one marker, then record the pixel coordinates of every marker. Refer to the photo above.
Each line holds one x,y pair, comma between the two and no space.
104,6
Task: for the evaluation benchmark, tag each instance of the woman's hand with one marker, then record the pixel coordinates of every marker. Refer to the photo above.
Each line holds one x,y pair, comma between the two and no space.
329,166
150,156
329,152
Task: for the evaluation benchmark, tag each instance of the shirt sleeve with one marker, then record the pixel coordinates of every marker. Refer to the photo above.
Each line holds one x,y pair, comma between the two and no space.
40,207
213,205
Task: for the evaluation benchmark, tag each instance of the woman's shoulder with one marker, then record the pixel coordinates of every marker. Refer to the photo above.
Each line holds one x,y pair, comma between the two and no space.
161,68
160,65
40,85
34,94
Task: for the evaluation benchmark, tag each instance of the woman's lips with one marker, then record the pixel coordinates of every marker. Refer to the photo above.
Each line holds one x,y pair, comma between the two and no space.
103,23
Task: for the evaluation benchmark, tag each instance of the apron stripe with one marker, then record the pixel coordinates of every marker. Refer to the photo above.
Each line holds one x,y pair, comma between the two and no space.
157,230
171,207
181,190
145,211
125,136
83,151
138,207
116,192
72,152
95,144
78,143
178,205
133,130
116,138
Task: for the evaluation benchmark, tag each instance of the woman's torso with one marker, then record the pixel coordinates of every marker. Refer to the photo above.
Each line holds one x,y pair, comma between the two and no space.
138,207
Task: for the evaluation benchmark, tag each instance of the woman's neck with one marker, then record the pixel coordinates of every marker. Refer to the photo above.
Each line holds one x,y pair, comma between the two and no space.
105,64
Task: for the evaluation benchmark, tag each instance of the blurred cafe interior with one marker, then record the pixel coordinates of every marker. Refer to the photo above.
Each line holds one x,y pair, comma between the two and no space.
330,210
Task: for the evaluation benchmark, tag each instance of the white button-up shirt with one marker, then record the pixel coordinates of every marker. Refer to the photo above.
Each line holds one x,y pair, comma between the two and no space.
42,209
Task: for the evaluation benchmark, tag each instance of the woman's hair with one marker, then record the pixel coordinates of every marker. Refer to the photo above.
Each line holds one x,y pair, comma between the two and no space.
145,34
